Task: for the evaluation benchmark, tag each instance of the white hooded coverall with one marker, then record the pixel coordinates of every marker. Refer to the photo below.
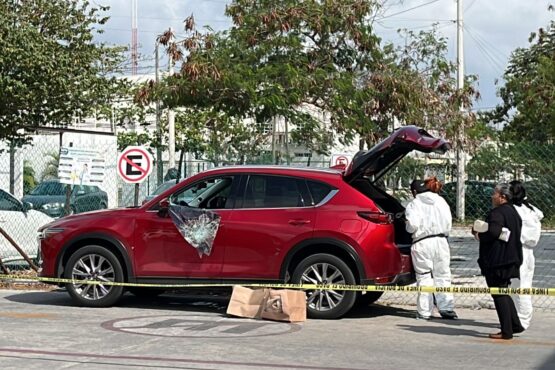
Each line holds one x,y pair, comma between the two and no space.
530,235
429,214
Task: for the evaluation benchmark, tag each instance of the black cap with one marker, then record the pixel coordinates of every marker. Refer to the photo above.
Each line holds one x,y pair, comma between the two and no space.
418,186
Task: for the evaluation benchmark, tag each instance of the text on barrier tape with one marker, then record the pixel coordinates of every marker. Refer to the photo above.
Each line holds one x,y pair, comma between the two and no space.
359,288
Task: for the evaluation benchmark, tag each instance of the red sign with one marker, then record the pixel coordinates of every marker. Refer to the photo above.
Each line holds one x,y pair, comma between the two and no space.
134,164
341,161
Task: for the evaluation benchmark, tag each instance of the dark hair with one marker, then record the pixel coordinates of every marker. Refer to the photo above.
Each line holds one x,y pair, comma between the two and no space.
519,194
418,186
433,184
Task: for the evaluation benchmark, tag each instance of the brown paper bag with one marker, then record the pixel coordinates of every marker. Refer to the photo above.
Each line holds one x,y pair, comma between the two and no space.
246,302
285,305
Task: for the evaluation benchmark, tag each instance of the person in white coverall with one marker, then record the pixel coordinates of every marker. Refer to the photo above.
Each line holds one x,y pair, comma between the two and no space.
428,219
530,235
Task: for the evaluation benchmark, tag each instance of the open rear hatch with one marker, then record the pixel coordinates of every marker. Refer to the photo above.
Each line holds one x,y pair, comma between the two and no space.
367,167
384,155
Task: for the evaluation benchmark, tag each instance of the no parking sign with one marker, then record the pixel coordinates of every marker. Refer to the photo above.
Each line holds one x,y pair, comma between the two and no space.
134,164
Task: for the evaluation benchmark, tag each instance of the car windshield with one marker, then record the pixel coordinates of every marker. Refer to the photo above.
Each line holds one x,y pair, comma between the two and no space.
49,188
163,187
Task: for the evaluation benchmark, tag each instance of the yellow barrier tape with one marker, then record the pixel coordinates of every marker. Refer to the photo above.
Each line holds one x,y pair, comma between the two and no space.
359,288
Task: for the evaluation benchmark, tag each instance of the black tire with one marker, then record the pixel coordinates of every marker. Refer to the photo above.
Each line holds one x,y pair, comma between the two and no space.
109,269
146,293
364,300
321,308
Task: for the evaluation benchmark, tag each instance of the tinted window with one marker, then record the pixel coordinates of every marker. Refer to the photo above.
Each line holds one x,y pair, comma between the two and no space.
211,193
163,187
8,203
79,190
272,192
49,188
318,190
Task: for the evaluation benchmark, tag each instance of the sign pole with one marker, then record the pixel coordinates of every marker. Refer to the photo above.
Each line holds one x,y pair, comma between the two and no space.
136,198
134,165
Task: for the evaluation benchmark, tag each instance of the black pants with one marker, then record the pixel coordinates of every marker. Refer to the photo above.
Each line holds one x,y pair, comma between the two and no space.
505,307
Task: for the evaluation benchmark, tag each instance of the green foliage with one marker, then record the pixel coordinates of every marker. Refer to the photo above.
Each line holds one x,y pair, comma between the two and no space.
29,180
51,70
286,59
126,139
529,90
51,169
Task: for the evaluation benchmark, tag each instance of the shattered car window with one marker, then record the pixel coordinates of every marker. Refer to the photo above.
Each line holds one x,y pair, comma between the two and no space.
198,227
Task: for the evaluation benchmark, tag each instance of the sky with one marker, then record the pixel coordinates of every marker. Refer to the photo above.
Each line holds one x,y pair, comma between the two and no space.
492,29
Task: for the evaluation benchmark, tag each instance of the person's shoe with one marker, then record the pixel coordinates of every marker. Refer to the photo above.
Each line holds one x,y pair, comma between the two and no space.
518,330
422,317
450,315
500,336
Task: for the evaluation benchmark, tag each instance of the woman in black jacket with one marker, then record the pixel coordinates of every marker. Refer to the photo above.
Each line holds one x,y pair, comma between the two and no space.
500,260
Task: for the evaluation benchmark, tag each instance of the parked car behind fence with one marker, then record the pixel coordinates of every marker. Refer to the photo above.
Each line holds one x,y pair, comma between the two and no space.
21,223
50,197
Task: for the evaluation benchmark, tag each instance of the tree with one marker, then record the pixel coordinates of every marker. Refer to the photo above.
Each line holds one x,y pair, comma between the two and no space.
51,169
29,180
529,90
282,59
51,70
276,58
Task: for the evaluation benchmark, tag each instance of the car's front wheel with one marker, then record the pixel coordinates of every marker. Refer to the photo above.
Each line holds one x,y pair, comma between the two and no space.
325,269
94,263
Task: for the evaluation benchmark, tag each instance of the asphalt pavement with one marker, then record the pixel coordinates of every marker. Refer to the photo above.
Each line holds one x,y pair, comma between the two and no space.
43,330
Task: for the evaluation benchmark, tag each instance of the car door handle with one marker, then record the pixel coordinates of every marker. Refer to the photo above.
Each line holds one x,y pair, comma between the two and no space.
299,222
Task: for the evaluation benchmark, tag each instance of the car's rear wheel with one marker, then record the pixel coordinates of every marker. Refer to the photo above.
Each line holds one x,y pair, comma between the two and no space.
367,299
95,263
325,269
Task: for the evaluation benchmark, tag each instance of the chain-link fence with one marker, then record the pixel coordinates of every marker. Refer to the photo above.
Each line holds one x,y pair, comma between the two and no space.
32,195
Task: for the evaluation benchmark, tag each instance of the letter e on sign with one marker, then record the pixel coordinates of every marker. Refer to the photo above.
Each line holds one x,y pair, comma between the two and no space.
134,164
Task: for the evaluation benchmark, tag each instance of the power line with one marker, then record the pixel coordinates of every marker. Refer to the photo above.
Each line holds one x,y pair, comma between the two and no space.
497,65
469,5
500,54
408,10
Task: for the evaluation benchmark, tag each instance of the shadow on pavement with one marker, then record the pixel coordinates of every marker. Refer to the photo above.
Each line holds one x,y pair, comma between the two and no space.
167,301
444,330
195,301
377,310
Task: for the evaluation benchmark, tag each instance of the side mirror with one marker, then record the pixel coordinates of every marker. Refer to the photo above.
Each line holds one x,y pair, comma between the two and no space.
27,206
163,207
80,192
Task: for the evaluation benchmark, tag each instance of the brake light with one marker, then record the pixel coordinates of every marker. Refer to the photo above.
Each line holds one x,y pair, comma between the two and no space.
377,217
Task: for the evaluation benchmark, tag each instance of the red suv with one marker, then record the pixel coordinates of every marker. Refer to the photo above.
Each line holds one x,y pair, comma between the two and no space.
276,224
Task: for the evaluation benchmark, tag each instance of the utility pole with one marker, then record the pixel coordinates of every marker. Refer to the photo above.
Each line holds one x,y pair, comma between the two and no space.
134,38
171,124
159,164
460,134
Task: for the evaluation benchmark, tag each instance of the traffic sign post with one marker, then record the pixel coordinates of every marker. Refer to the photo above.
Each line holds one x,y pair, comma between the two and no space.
134,166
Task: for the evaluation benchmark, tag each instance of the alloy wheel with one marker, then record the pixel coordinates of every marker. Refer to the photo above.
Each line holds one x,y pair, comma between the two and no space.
323,273
93,267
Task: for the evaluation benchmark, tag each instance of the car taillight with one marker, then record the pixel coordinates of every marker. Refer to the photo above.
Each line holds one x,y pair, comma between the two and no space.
377,217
